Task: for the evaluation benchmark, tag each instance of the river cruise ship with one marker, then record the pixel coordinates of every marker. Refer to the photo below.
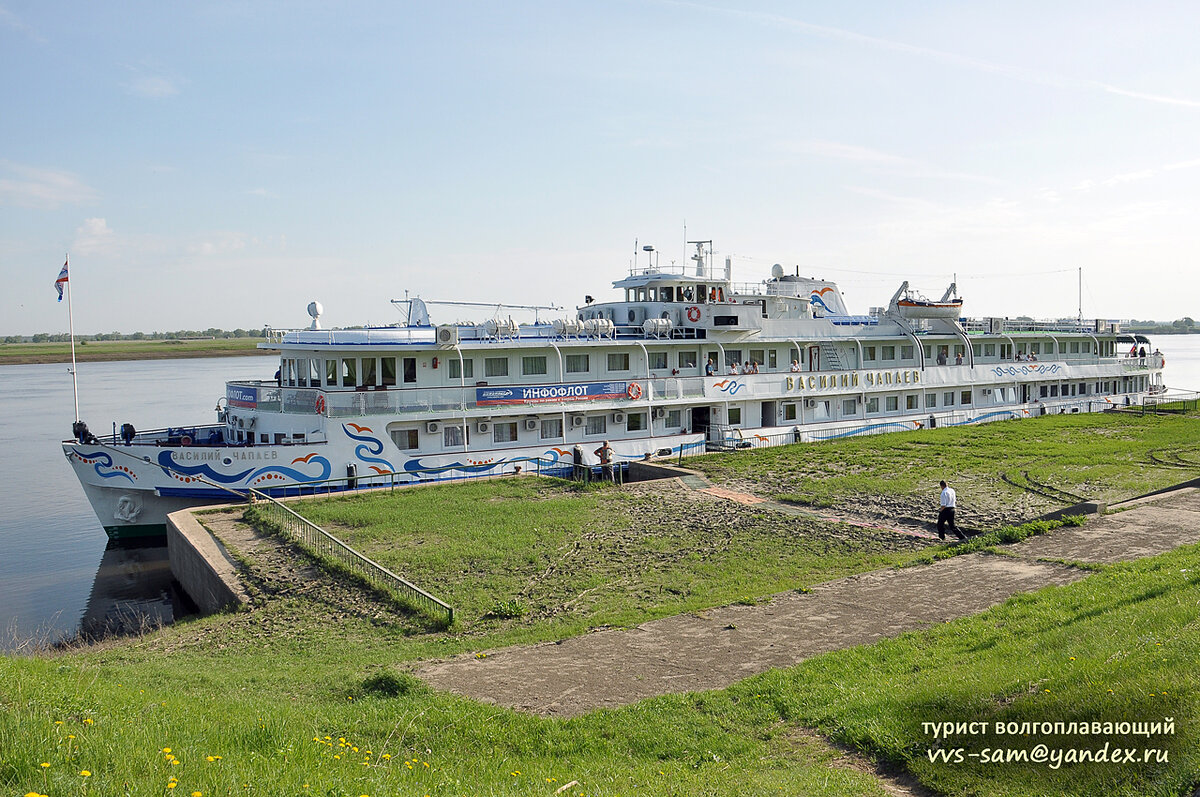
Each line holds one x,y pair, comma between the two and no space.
681,360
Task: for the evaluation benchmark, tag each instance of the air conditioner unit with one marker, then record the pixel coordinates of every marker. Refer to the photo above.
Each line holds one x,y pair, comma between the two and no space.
987,391
577,421
432,427
484,426
810,404
446,335
618,417
660,413
531,424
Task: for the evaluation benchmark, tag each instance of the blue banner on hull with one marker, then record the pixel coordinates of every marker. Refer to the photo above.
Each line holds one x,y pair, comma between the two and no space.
536,394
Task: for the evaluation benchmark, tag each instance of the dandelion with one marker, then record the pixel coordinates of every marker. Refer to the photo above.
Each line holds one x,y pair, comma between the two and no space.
165,750
85,773
388,756
44,765
197,794
172,785
89,721
70,736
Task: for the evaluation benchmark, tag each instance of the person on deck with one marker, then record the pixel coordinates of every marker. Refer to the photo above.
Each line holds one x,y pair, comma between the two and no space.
605,453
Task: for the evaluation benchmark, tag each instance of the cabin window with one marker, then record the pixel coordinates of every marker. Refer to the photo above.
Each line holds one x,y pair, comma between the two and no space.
452,436
405,439
618,361
674,419
369,364
302,373
688,359
889,352
965,398
596,424
577,364
906,352
1053,391
701,294
732,356
504,432
912,401
1006,351
1087,347
533,366
789,411
349,373
410,370
773,359
868,354
460,369
758,356
928,352
1035,348
387,367
872,404
931,399
989,350
948,398
495,366
735,416
331,373
725,321
658,360
849,407
666,294
552,429
635,421
1074,347
1043,391
893,403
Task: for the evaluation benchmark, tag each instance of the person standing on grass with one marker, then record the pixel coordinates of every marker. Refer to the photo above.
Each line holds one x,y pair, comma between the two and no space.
605,454
946,514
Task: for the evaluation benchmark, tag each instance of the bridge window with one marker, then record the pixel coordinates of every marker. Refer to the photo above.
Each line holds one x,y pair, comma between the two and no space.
331,373
388,368
349,373
369,365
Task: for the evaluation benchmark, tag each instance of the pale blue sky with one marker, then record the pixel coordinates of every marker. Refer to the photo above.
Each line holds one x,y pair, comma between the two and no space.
222,164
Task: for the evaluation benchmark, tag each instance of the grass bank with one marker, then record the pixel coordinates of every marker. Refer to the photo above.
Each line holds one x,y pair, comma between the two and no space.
109,350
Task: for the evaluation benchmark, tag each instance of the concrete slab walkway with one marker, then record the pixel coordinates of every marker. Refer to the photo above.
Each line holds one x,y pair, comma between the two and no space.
715,648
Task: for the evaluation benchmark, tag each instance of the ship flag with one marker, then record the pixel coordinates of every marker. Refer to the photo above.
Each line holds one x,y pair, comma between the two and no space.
62,279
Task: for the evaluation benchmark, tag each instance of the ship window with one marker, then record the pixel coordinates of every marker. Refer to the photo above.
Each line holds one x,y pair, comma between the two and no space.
732,356
965,398
349,373
758,356
1074,347
1087,347
577,364
658,360
388,369
596,424
1005,351
849,407
893,403
462,368
405,439
931,399
873,404
773,359
911,401
635,421
906,352
889,352
1035,348
688,359
504,432
495,366
369,365
618,361
331,373
789,411
452,436
552,429
410,370
735,416
948,399
652,294
868,354
1053,391
674,419
533,366
302,373
725,320
701,294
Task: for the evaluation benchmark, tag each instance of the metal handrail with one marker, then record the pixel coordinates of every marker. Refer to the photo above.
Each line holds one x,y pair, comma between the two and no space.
322,543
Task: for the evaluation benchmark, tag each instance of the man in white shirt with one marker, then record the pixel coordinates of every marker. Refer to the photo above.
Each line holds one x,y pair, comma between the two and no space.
946,515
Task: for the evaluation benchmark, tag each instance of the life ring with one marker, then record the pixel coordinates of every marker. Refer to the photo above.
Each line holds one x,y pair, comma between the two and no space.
634,391
693,313
320,405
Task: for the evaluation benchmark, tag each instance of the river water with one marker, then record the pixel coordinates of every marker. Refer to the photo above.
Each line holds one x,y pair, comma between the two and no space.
58,572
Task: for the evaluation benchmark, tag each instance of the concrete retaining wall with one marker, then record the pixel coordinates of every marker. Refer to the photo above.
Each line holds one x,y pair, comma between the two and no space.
201,565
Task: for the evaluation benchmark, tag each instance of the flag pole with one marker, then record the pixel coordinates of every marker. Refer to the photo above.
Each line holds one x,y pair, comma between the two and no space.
71,321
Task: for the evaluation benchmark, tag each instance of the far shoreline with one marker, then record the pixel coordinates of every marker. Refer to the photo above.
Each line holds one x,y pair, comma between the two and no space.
156,350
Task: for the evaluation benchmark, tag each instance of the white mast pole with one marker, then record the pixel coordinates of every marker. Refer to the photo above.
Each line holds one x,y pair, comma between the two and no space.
71,321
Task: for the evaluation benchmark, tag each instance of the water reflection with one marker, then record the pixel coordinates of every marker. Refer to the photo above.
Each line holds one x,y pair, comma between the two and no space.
134,591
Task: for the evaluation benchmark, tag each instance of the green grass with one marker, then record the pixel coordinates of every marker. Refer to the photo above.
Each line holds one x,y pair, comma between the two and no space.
1105,457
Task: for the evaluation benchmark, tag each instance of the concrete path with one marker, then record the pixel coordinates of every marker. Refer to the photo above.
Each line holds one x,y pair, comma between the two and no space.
715,648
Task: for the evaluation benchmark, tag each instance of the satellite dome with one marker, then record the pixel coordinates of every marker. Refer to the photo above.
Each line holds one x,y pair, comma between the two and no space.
776,271
315,309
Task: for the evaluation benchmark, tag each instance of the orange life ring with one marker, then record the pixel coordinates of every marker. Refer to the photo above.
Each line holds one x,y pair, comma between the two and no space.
693,314
320,405
634,391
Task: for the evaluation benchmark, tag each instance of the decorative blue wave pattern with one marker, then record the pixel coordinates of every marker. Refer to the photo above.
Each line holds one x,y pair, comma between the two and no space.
730,386
369,448
989,415
1023,370
166,461
867,430
100,460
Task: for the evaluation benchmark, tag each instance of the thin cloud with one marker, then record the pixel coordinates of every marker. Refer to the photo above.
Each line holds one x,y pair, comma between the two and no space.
1140,174
11,21
94,237
154,87
31,187
953,59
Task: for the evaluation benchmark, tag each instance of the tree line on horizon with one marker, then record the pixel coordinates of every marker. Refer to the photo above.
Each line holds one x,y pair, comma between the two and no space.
181,334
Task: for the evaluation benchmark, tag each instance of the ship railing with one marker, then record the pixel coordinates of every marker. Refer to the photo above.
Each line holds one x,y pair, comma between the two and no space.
1171,403
324,545
197,435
